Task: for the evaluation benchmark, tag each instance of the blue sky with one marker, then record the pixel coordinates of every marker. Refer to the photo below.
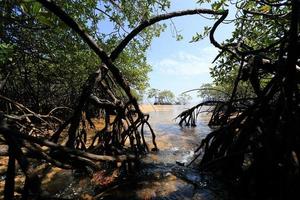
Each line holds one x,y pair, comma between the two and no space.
180,65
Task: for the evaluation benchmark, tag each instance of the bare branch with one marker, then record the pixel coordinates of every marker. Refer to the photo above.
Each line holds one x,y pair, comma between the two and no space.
213,29
116,52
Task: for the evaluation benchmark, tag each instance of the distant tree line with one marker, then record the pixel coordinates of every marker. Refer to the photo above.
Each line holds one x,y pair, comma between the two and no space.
167,97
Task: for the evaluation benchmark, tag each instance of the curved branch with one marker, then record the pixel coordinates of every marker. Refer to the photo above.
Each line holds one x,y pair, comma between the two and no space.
93,45
51,6
199,89
102,54
116,52
31,113
212,32
286,3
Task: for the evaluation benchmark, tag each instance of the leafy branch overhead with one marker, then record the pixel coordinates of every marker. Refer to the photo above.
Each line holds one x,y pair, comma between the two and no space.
73,70
255,138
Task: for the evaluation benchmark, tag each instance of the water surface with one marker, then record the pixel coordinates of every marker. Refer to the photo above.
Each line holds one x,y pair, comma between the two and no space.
158,176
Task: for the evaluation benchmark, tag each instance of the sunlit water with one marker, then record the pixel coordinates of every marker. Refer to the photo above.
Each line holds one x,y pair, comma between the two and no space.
175,143
159,176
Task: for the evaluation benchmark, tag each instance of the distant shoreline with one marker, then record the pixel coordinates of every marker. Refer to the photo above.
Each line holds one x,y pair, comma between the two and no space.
154,108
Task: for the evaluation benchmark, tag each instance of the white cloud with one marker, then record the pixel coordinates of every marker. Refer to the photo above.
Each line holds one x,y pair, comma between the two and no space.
187,64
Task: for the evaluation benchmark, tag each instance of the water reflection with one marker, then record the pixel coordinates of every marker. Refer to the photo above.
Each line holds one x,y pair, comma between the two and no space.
158,176
175,143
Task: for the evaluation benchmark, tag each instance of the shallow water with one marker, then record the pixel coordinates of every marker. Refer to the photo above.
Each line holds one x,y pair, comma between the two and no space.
158,176
174,142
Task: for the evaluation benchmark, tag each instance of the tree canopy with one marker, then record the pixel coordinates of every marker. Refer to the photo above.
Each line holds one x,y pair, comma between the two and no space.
184,99
256,140
59,71
47,61
161,97
60,66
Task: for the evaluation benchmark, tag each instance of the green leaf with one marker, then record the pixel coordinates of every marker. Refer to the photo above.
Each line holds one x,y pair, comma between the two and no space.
179,37
265,8
45,20
24,7
36,8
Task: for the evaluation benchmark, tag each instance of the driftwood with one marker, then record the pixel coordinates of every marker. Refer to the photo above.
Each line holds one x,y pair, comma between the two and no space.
120,140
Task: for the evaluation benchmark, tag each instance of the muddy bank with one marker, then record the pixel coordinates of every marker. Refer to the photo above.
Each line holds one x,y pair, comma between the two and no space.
157,176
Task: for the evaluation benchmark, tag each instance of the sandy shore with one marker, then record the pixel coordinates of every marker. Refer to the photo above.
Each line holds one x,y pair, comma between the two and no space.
146,108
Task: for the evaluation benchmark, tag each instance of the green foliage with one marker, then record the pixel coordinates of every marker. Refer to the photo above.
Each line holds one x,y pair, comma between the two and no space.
215,5
6,51
201,36
184,98
179,37
49,63
161,97
221,90
253,30
166,96
210,91
256,134
152,92
219,5
137,94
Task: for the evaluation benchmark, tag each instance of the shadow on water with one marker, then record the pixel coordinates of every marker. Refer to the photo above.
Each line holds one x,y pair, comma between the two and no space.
158,176
156,181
